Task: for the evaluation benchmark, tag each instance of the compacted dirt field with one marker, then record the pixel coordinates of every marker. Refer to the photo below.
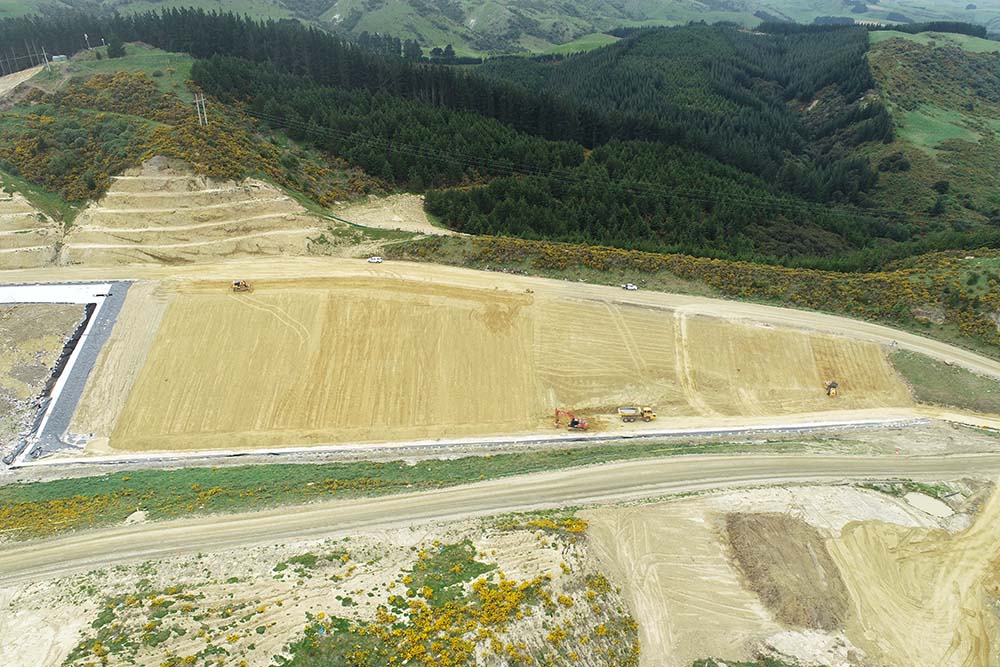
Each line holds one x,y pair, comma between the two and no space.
360,359
404,212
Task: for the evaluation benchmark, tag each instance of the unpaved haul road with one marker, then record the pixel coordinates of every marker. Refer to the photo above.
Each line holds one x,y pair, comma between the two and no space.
293,268
629,480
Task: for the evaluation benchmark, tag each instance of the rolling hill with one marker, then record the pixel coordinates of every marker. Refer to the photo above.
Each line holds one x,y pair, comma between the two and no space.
476,27
791,148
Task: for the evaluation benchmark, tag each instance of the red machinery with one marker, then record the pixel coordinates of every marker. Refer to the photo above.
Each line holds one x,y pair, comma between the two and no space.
575,423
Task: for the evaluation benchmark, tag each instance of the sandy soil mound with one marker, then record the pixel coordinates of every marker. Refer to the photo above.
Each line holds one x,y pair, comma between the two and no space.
162,213
786,564
28,237
374,359
403,212
922,596
674,567
32,337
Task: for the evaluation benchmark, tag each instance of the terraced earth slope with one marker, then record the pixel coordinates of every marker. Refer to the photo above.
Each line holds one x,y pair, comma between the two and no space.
28,237
161,212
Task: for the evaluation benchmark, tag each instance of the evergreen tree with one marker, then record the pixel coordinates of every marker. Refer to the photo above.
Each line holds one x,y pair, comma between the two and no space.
116,49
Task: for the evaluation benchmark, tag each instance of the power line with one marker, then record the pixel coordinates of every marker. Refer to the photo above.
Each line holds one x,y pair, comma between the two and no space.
638,188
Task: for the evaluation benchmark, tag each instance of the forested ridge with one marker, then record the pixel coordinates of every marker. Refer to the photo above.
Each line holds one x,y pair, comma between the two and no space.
732,94
707,140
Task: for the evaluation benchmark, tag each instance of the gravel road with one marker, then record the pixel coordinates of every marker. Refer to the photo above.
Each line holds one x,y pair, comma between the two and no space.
33,561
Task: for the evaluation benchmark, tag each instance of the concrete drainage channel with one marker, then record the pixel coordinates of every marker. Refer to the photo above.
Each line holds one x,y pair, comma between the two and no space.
104,302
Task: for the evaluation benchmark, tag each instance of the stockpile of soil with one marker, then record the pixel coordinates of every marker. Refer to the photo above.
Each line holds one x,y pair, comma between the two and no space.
786,563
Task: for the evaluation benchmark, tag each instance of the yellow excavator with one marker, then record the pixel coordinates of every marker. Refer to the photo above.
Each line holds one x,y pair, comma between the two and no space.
832,388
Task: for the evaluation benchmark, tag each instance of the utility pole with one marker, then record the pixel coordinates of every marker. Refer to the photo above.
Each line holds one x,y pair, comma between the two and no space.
200,109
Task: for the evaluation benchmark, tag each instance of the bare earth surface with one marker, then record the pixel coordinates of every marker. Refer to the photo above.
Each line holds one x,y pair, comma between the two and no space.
920,594
606,483
692,600
404,212
347,363
255,602
12,81
275,268
163,213
28,237
376,359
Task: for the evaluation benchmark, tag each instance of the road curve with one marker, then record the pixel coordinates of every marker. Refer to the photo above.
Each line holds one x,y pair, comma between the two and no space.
21,563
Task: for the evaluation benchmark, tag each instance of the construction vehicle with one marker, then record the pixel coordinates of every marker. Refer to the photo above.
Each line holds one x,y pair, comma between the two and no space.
241,286
831,387
575,423
630,414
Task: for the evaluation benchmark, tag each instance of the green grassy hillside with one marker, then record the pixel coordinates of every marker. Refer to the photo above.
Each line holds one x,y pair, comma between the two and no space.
89,119
476,27
943,92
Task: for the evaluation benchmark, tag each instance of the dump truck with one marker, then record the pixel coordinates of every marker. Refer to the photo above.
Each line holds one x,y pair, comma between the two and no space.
630,413
241,286
575,423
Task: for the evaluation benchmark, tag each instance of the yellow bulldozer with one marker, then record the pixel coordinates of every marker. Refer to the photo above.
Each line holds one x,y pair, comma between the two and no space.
241,286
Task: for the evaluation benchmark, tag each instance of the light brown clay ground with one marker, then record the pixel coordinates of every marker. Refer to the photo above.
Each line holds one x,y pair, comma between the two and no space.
120,362
404,212
12,81
376,359
245,602
28,237
673,562
162,213
920,596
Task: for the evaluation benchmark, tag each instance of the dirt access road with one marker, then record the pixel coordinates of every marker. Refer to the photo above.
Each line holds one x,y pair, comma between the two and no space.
279,268
630,480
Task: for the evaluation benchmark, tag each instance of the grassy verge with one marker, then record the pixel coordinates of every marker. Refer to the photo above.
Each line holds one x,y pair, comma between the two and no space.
42,509
937,383
170,70
900,489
